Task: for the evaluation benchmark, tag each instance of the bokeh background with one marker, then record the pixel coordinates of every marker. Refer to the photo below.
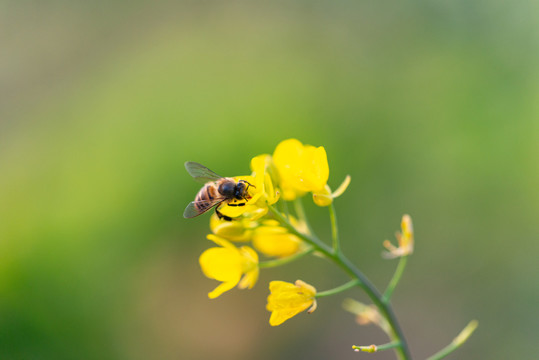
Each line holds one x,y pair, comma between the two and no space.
431,106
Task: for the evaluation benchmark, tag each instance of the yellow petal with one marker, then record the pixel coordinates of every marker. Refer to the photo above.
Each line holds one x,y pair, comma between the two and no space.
287,300
302,168
250,258
288,192
286,158
280,316
315,169
405,240
220,241
306,289
249,280
254,213
261,166
227,264
275,241
221,264
272,195
286,155
250,267
240,230
233,211
222,288
407,237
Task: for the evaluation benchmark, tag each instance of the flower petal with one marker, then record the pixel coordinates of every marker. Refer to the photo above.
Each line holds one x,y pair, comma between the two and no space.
302,168
249,280
240,230
223,287
287,300
228,264
221,264
275,241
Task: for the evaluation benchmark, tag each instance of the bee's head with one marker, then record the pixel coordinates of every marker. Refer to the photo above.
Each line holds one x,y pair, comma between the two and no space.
241,190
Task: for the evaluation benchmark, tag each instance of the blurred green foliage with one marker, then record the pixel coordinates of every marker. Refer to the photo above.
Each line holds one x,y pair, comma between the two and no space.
432,107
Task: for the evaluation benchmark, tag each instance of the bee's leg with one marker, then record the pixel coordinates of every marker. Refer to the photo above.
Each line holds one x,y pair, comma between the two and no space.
221,216
248,183
238,204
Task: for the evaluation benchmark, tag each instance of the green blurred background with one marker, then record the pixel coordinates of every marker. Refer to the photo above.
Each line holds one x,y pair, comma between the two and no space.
431,106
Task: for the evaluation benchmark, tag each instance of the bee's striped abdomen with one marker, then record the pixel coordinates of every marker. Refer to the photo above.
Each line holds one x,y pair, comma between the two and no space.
206,197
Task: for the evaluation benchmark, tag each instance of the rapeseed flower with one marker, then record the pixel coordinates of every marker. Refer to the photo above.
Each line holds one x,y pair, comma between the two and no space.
405,240
228,264
302,168
287,300
271,239
240,230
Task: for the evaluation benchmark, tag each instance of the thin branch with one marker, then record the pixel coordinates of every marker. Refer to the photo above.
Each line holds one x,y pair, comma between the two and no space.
338,289
285,260
457,342
395,279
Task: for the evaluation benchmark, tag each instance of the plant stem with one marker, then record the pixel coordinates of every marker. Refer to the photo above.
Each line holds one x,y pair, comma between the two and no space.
300,213
396,333
285,209
375,348
334,229
338,289
285,260
395,279
457,342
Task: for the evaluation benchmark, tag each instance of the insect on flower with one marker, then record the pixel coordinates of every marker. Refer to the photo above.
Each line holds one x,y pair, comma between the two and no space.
216,190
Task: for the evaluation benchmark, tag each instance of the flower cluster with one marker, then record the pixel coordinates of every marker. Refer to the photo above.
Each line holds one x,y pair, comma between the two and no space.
254,228
293,170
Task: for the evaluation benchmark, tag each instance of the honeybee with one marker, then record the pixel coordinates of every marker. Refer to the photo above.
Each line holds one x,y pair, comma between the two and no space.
216,190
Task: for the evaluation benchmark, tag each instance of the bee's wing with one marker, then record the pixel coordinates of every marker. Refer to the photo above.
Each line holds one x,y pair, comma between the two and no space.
199,207
201,173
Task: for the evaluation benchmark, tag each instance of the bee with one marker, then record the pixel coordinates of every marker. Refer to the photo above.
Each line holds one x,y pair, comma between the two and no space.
216,190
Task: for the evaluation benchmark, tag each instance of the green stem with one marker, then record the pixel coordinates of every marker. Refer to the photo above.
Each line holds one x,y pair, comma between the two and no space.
395,279
285,209
396,333
457,342
338,289
300,213
285,260
375,348
334,229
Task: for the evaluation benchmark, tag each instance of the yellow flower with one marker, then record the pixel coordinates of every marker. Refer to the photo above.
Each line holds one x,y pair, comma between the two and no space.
287,300
227,264
240,230
302,168
266,176
274,240
263,192
404,238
